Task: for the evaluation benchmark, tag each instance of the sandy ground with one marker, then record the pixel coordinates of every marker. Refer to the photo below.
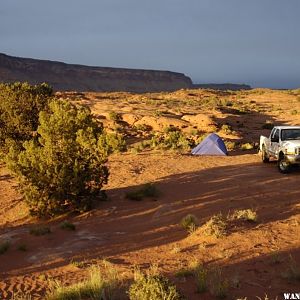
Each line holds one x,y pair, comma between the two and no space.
254,257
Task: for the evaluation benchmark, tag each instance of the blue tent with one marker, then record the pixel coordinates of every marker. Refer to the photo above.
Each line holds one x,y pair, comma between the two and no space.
211,145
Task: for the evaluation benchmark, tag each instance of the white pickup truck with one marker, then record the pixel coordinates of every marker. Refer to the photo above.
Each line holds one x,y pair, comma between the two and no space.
283,144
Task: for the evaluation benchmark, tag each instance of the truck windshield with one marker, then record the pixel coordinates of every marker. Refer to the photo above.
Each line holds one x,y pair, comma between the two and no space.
290,134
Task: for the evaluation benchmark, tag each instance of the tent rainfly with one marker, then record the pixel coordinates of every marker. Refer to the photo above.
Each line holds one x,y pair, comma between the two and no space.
211,145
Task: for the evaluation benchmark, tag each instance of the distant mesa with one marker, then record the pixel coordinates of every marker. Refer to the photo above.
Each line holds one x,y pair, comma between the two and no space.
71,77
223,86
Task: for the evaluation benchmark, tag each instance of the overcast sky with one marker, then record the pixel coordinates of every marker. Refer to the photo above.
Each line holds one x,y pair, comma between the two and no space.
240,41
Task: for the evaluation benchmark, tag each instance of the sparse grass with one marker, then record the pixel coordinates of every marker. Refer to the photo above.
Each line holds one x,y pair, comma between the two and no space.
66,225
78,264
244,214
200,274
292,272
151,286
147,190
21,296
216,226
218,284
189,223
95,287
183,273
40,230
4,246
275,258
175,250
22,247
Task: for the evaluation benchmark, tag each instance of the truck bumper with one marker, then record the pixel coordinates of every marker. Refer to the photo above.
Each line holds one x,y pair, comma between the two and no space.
293,159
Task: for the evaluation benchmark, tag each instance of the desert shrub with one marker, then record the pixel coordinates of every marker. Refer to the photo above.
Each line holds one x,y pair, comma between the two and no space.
64,167
267,125
142,127
247,146
20,105
173,140
152,287
66,225
230,145
189,223
294,112
40,230
147,190
216,226
245,214
116,117
4,246
113,142
95,287
22,247
226,128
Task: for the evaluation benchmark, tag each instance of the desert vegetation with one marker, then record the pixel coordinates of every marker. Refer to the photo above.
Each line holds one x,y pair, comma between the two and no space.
213,227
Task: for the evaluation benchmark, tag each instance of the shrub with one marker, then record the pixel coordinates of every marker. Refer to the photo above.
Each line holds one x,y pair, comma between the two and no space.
66,225
22,247
230,145
216,226
152,287
40,230
247,146
20,105
4,246
113,142
114,116
189,223
226,128
64,168
174,140
267,125
147,190
245,214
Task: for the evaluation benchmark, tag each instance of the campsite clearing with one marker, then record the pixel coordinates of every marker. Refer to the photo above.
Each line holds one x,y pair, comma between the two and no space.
255,257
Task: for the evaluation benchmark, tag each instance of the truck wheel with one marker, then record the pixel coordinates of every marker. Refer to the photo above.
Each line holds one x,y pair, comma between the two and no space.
283,165
264,155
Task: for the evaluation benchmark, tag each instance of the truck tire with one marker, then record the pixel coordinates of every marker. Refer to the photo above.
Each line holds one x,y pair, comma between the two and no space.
284,166
264,155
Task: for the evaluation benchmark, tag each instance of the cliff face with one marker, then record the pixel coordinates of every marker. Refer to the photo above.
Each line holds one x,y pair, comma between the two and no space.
69,77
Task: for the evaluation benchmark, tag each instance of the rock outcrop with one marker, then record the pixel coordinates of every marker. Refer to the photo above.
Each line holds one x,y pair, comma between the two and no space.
70,77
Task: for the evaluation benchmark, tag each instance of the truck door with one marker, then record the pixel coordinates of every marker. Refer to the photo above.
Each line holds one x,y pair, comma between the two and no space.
275,143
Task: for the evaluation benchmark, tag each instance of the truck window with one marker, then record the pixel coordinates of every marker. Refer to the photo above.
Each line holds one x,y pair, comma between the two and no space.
276,135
